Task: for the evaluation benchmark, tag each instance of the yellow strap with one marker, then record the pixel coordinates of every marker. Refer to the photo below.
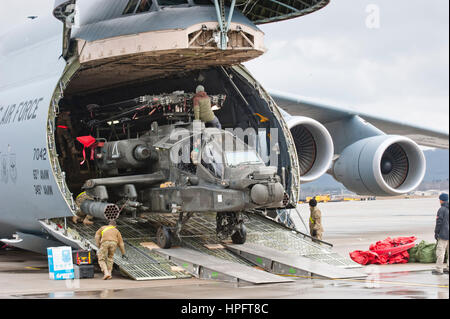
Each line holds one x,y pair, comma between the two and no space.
311,220
80,195
107,228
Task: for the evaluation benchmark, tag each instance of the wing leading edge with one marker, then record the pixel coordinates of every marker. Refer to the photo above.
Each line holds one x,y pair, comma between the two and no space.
299,106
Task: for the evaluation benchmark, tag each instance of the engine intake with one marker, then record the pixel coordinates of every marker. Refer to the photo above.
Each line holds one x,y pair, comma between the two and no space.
314,147
384,165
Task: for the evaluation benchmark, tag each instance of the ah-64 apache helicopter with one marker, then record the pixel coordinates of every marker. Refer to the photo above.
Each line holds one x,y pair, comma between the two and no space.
179,167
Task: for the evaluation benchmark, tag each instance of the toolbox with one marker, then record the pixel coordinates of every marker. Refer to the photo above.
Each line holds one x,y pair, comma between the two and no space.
83,271
82,257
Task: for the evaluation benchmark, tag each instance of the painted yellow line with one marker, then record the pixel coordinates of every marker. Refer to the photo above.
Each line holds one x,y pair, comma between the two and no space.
372,281
32,268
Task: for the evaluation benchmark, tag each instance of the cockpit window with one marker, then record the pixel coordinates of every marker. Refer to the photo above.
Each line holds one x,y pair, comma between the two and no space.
207,2
235,151
137,6
131,6
236,158
212,159
163,3
144,6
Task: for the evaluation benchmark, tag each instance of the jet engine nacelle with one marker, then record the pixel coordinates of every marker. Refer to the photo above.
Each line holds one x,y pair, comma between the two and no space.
382,165
314,147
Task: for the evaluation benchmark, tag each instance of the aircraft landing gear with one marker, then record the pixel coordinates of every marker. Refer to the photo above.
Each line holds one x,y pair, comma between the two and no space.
166,236
240,235
231,224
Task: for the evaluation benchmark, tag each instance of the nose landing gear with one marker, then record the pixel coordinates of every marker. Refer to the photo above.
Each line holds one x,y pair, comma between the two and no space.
228,224
231,224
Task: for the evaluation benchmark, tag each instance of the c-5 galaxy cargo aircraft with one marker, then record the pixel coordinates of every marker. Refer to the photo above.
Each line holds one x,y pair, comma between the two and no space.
107,82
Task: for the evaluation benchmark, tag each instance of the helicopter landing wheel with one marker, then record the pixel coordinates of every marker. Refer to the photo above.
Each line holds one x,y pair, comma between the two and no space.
240,235
164,237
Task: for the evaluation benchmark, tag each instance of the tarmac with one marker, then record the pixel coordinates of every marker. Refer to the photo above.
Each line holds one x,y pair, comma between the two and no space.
348,226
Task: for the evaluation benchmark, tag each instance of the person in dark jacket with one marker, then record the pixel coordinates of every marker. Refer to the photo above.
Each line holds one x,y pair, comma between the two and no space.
441,235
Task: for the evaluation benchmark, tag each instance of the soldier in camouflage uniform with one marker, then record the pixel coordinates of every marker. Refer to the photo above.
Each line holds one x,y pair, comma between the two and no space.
65,136
315,220
202,108
107,239
80,216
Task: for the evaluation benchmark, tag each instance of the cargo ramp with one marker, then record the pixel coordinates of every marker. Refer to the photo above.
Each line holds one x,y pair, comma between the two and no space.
200,250
281,263
209,267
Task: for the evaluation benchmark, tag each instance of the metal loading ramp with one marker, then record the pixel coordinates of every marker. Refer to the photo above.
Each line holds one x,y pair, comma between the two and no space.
281,263
199,235
209,267
142,263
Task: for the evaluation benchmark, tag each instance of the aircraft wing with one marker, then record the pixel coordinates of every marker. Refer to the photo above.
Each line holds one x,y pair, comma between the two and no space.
299,106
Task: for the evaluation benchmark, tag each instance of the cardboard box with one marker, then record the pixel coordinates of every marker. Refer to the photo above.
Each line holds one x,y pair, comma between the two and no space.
60,263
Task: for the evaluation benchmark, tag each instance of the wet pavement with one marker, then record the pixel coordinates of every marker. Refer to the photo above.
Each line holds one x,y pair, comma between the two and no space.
349,226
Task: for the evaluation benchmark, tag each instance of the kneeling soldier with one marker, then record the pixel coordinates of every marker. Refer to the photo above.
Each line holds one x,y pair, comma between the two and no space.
80,215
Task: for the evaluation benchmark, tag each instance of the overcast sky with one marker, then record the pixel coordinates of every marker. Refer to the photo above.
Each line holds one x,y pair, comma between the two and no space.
384,57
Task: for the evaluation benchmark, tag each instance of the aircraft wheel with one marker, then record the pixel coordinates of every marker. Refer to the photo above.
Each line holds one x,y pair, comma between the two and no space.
164,237
240,236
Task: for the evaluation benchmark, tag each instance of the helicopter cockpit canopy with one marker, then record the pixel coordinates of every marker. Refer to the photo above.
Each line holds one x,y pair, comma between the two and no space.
218,150
225,150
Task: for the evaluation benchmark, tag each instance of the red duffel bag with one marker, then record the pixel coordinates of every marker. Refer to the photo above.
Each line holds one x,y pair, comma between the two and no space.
392,251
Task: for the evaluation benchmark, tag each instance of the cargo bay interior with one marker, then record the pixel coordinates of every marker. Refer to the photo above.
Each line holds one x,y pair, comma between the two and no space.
88,106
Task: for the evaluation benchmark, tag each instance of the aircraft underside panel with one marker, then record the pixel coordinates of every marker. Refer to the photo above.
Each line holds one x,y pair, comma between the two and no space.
168,19
258,11
146,261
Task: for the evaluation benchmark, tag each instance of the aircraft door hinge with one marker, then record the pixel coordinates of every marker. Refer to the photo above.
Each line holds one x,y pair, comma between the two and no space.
69,13
224,24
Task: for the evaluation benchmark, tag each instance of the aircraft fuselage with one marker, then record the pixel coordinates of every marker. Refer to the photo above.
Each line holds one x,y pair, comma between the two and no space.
37,80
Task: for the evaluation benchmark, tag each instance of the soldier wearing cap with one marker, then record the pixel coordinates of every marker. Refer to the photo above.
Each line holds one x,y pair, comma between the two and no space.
202,108
315,220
